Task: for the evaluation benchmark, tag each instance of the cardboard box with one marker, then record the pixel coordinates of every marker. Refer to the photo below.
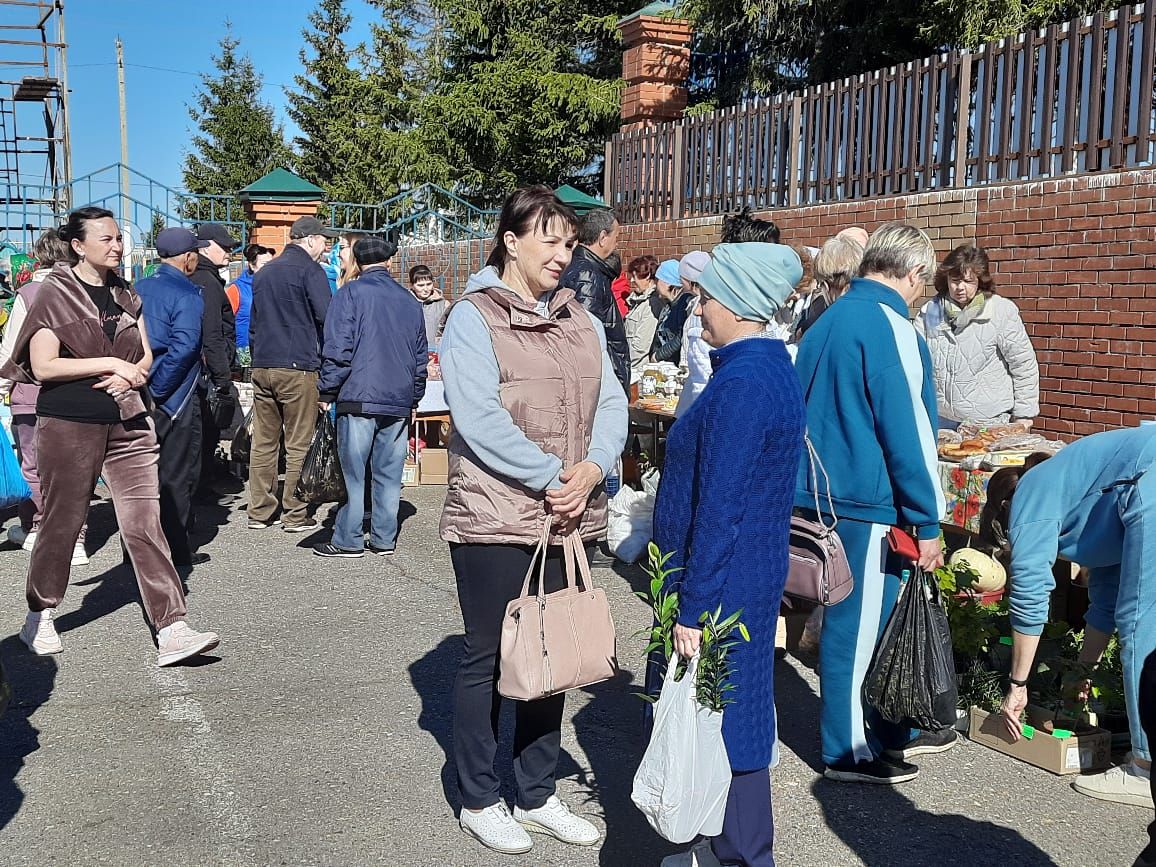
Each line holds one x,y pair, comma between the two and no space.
435,466
409,474
1089,750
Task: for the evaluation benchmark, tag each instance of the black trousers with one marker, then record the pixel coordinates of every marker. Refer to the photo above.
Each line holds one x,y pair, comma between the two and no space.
1148,720
488,577
179,471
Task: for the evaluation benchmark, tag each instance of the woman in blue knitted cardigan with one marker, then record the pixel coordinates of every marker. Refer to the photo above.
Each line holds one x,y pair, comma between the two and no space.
724,509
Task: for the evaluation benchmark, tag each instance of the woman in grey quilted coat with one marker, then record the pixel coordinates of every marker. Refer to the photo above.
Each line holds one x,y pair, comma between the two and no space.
985,366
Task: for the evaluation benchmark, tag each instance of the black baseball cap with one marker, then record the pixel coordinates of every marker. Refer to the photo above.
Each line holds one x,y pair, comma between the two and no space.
217,232
177,240
303,227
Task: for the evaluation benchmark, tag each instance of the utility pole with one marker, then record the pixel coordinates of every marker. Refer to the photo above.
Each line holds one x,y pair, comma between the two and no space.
124,186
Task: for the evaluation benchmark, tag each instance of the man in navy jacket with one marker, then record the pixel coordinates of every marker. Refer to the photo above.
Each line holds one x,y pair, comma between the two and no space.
286,322
174,311
374,368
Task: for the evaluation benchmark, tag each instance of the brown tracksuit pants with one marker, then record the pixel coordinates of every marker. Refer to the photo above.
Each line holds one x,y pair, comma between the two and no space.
72,455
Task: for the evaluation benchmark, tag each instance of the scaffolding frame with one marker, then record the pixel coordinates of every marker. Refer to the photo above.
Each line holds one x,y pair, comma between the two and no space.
35,147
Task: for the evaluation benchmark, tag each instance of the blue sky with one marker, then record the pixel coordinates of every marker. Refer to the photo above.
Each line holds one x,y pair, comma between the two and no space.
177,40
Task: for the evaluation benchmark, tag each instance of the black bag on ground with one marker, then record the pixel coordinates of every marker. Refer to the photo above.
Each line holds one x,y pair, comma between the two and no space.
321,477
912,677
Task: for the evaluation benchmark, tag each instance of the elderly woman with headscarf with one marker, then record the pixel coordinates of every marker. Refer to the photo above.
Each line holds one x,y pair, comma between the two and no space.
724,511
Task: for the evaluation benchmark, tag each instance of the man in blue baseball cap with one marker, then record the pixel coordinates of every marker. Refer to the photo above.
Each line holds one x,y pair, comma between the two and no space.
174,311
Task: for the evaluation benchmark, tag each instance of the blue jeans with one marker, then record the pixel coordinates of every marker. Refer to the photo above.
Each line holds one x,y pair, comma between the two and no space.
379,443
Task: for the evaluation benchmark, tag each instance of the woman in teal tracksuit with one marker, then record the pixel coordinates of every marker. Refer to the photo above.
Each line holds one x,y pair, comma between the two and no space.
1094,503
870,394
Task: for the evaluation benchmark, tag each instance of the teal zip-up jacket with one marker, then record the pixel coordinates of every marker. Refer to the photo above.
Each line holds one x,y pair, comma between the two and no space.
1068,506
870,393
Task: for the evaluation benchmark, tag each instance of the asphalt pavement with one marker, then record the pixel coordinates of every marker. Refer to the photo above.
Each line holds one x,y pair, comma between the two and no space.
318,732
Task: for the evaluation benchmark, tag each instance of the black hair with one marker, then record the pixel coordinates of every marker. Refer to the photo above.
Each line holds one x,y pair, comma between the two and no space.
420,272
523,211
252,251
75,228
742,227
594,224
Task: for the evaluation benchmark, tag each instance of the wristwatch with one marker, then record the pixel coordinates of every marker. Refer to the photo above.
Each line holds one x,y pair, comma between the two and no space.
1020,683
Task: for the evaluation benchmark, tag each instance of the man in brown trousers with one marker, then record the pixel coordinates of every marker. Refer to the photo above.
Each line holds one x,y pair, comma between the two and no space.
286,331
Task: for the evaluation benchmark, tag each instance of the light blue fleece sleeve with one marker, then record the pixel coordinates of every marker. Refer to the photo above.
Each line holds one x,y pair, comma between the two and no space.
471,378
1035,545
611,419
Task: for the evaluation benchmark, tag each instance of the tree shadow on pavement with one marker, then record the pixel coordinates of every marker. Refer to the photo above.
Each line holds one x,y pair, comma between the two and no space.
879,823
31,679
609,729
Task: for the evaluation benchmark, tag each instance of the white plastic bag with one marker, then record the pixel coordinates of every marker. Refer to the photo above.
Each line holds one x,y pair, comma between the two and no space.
682,784
630,524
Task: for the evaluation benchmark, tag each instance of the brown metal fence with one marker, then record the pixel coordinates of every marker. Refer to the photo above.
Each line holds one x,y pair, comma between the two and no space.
1070,98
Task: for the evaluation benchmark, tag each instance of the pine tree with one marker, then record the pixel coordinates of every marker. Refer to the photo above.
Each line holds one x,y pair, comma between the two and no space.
526,91
238,138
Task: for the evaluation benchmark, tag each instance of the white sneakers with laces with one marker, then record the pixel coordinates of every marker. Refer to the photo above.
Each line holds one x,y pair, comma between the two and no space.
1123,784
178,641
40,634
556,819
496,829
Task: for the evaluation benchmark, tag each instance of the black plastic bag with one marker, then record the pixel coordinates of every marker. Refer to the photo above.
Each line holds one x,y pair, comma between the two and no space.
321,478
912,677
241,447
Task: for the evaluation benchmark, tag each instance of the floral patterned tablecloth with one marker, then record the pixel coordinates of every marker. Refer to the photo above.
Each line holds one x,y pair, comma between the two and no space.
966,493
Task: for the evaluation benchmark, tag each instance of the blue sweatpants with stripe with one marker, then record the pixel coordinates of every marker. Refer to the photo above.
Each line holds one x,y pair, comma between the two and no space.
851,630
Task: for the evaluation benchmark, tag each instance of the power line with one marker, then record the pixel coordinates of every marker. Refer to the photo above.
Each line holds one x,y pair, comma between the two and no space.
168,69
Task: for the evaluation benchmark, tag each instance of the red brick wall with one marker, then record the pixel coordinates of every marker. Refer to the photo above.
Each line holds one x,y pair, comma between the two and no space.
1078,256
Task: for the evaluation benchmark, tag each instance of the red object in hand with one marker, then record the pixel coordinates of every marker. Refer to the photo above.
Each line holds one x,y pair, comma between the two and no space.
902,544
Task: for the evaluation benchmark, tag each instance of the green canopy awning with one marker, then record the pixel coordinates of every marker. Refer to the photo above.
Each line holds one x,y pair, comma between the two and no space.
578,200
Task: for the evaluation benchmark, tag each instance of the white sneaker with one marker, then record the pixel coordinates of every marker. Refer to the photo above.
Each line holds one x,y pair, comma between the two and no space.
40,634
554,818
177,641
699,855
29,539
79,555
496,829
1123,784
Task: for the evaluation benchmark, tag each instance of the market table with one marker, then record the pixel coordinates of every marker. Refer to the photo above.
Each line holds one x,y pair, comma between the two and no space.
652,418
966,493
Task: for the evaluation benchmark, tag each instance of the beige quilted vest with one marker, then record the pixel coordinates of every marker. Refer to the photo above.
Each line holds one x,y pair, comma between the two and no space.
550,378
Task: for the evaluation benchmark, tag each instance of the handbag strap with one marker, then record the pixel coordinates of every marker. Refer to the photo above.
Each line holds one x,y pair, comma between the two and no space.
539,557
816,468
577,564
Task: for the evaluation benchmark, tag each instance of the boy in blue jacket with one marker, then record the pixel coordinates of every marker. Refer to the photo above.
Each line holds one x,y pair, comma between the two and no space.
867,381
174,311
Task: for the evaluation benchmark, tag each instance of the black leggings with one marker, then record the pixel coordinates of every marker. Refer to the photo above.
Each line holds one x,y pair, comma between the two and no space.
488,577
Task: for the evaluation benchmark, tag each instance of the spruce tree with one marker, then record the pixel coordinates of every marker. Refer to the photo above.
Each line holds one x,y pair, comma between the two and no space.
237,138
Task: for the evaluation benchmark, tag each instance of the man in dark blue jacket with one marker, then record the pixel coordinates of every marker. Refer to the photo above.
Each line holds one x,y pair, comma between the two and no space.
374,368
174,311
286,327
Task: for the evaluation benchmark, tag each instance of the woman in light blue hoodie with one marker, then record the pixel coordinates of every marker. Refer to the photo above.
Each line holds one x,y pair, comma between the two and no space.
1094,503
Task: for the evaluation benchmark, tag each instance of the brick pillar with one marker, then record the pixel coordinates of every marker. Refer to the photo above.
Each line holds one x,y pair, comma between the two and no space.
272,220
656,66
